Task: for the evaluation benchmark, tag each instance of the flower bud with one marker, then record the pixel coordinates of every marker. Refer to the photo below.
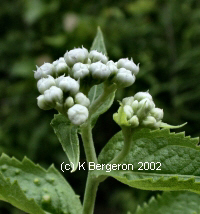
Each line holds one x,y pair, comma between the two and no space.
129,65
96,56
134,105
80,70
157,113
45,83
112,67
134,121
144,107
76,55
99,71
81,99
60,60
61,67
124,78
44,70
42,103
53,95
128,111
69,102
57,80
78,114
149,122
67,84
128,100
142,95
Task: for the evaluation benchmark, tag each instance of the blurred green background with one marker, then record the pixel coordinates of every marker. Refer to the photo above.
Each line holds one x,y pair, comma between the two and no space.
163,36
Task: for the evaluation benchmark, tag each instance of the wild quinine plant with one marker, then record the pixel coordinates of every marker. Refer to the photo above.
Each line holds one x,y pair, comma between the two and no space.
144,154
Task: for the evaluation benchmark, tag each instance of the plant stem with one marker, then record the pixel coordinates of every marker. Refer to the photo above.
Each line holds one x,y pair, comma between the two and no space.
86,132
90,194
127,132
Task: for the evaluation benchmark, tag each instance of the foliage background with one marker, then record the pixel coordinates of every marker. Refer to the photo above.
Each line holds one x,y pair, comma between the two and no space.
163,36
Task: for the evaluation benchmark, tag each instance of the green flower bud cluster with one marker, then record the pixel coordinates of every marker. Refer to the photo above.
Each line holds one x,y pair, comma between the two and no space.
64,84
139,110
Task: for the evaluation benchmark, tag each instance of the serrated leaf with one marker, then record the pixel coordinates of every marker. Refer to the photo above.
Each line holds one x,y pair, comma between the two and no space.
94,93
98,43
68,137
35,190
172,202
177,156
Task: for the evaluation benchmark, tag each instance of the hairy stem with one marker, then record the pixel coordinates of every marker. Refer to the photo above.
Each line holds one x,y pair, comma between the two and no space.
86,133
90,194
127,132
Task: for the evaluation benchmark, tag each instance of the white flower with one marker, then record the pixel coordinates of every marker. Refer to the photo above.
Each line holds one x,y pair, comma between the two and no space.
69,102
99,71
80,70
67,84
80,98
134,121
142,95
128,111
57,80
129,65
78,114
53,95
112,67
95,56
76,55
44,70
157,113
45,83
42,103
124,78
60,60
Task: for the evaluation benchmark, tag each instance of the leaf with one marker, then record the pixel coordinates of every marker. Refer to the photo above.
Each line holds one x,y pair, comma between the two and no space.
68,137
98,43
174,160
172,202
31,188
94,93
120,117
165,125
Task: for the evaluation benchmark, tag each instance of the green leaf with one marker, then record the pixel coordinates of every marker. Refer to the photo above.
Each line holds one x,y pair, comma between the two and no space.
120,117
165,125
68,137
98,43
172,202
31,188
173,158
94,93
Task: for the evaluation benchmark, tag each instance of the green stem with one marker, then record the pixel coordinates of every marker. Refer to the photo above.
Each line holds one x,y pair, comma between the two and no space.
90,194
127,132
86,132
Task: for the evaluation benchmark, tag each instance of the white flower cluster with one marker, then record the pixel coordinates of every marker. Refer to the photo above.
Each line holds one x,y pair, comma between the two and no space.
61,83
140,111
